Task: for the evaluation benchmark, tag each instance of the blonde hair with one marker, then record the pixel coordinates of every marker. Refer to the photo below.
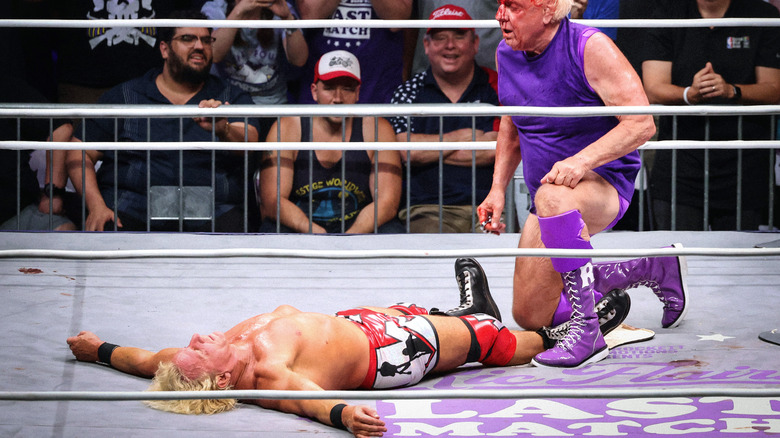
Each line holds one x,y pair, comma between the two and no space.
561,8
169,378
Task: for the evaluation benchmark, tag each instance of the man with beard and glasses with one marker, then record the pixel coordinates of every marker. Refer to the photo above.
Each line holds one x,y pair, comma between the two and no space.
184,79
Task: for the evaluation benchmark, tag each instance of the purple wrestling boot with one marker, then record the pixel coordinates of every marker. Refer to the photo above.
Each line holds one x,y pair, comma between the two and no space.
583,344
665,276
612,309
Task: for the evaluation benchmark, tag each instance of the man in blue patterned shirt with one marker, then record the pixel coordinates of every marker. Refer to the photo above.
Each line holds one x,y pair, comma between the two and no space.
453,77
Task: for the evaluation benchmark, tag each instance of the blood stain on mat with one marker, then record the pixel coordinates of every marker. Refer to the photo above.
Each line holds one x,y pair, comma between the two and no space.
685,363
30,271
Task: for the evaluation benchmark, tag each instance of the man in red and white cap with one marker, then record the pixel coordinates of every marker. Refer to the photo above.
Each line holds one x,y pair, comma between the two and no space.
336,81
453,77
478,10
449,12
338,63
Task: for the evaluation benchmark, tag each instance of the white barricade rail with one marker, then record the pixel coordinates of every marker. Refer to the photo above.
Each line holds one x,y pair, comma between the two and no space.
378,146
9,110
364,110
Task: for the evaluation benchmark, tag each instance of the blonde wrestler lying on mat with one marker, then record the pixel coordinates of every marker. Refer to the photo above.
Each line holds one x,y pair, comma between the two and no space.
365,348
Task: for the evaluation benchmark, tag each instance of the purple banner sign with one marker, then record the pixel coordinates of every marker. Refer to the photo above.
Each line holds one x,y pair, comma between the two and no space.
703,417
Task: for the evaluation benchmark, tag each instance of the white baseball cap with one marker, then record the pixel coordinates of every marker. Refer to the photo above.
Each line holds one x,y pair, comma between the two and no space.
336,64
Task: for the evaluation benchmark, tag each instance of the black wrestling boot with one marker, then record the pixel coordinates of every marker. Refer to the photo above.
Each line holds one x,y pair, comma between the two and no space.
474,291
612,309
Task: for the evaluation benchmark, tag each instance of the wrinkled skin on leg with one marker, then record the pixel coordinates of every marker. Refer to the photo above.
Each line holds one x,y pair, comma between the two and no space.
537,286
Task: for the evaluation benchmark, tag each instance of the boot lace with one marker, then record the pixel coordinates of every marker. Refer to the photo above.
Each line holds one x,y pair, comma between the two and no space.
576,322
466,296
558,332
655,286
604,310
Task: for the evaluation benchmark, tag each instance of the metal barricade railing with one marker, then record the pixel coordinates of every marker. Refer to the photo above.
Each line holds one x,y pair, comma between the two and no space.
384,110
19,112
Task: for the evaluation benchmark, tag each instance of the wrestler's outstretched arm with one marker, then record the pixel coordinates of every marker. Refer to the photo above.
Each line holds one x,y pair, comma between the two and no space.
362,421
130,360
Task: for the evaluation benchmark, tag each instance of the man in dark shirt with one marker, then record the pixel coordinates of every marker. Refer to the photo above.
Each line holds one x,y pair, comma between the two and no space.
722,65
453,77
183,80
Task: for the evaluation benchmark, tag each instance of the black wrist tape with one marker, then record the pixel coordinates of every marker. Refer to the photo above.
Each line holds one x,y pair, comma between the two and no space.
335,416
105,351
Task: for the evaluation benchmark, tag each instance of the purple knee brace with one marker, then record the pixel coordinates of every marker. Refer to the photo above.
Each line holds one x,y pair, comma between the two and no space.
564,231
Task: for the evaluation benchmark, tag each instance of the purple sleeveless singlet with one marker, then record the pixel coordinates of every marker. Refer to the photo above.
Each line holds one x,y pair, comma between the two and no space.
555,78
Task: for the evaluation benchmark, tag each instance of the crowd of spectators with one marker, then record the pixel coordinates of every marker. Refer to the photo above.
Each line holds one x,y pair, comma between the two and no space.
246,65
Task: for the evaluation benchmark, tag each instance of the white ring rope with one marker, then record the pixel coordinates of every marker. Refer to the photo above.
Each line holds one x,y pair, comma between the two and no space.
369,110
376,24
383,253
426,394
710,144
359,146
378,110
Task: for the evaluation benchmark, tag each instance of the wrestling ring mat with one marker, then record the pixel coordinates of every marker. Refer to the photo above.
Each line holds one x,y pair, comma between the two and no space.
710,377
